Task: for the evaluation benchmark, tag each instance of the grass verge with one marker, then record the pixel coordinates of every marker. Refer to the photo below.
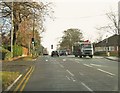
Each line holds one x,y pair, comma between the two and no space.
8,78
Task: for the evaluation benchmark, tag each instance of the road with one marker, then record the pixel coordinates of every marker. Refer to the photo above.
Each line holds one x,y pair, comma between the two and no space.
71,74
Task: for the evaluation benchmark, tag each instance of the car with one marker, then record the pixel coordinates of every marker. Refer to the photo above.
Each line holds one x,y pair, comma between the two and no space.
63,53
54,53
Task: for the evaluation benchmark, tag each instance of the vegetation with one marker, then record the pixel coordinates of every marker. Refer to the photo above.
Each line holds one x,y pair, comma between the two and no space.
28,19
8,78
69,38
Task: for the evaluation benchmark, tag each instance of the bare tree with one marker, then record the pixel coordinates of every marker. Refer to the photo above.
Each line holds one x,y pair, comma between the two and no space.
111,27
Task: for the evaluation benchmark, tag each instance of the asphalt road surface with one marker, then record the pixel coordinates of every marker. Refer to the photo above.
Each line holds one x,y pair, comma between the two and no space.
72,74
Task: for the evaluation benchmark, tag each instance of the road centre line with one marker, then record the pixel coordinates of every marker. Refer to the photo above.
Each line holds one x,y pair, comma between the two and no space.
13,83
87,87
70,73
106,72
95,65
87,65
27,80
23,79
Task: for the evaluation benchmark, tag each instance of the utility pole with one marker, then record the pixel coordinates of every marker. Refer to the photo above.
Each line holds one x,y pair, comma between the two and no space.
119,29
12,28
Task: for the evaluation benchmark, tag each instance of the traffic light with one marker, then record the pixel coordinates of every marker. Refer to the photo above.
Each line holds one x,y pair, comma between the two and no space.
51,46
32,40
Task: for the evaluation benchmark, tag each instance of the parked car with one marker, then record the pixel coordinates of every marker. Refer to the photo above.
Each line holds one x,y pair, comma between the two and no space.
54,53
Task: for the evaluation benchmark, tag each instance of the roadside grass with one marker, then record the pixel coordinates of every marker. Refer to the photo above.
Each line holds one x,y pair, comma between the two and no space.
8,78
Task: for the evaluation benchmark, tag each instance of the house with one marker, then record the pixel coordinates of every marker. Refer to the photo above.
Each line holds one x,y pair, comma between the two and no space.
110,44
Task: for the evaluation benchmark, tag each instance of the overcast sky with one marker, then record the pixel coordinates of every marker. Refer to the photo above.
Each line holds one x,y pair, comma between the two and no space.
85,15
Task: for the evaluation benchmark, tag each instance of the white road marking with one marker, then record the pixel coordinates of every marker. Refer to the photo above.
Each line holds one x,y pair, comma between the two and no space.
70,73
61,66
46,60
86,86
13,83
76,61
95,65
64,59
106,72
67,77
87,65
73,79
81,73
110,76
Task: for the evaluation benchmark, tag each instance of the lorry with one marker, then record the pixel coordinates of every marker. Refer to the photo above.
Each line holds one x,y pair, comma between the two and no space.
45,52
83,49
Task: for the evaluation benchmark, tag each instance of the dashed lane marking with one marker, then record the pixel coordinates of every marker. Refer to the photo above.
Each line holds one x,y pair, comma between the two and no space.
95,65
87,87
87,65
106,72
70,73
73,79
67,77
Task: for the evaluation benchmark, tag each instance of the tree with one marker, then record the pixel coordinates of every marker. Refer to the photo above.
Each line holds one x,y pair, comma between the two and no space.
23,10
70,37
111,27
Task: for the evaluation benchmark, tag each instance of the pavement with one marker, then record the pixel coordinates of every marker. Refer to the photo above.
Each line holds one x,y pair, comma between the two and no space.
113,58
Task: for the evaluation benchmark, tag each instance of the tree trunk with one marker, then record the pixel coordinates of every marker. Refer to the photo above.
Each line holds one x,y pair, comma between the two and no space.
14,33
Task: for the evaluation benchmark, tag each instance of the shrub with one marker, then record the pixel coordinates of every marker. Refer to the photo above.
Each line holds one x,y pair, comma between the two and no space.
17,50
5,54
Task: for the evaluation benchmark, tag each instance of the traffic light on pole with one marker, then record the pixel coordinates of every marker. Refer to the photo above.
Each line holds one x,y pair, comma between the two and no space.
32,40
51,46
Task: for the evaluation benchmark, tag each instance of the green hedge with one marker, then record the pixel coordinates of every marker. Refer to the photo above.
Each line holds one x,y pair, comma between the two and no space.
17,50
6,54
101,53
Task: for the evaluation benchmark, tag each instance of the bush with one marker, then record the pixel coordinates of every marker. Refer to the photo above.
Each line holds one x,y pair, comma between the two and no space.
17,51
101,53
8,55
5,54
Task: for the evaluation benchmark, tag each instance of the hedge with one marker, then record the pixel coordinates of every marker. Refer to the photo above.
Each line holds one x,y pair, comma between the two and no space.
17,51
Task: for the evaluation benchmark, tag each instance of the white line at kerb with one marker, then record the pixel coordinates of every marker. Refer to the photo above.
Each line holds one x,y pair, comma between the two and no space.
13,83
106,72
70,73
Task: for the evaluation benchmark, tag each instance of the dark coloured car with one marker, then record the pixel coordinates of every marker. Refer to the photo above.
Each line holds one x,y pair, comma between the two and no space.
63,53
55,53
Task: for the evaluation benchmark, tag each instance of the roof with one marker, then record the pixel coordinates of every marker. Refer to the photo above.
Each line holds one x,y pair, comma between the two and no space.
111,41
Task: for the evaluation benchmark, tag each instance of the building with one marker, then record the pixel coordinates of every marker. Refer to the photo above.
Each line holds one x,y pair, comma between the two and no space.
110,44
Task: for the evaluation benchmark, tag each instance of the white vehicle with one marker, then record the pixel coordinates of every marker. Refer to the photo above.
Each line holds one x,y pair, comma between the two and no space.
83,49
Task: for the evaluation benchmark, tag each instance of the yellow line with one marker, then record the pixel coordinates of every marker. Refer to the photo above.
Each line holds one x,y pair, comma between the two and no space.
22,80
27,80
